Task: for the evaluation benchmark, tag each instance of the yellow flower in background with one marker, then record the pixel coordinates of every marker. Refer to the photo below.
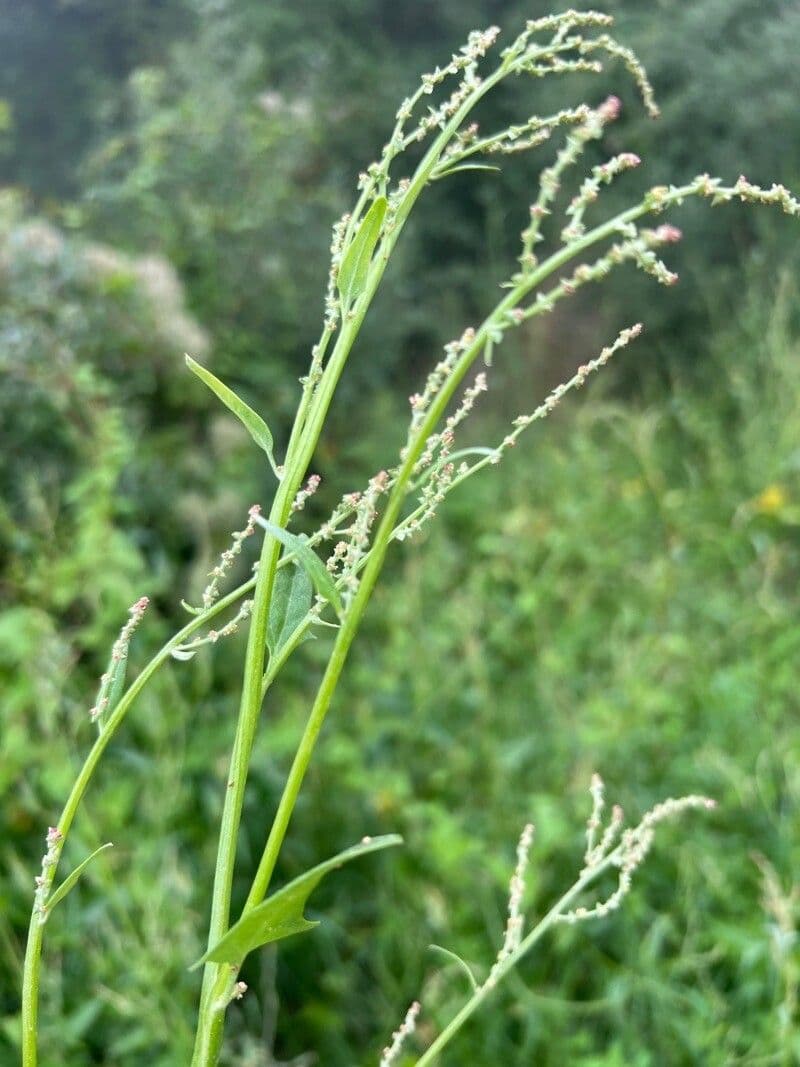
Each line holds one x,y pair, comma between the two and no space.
771,500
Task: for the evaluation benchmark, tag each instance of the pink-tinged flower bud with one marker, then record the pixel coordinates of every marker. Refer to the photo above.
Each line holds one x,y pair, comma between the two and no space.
668,233
610,109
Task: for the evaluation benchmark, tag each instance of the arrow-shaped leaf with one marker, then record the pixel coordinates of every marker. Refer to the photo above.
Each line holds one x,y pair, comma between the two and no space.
308,559
282,914
252,422
355,263
291,601
71,880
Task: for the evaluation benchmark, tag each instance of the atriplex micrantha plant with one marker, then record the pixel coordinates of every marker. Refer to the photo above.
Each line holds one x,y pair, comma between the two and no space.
325,578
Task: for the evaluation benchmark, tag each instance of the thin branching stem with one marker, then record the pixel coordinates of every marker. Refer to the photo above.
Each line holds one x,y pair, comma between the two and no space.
33,952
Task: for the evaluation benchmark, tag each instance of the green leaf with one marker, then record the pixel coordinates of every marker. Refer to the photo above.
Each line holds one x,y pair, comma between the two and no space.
308,558
439,174
117,683
111,686
355,263
282,914
71,879
183,654
453,957
291,601
252,422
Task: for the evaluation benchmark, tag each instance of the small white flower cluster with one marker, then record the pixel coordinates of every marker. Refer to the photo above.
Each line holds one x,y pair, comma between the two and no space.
437,117
662,196
332,310
535,131
559,65
449,479
332,527
308,490
421,402
515,924
634,845
464,62
747,192
565,21
211,592
530,56
478,44
348,555
119,657
436,465
596,851
608,45
638,248
607,848
519,138
43,881
525,50
522,422
550,179
188,650
603,174
228,557
392,1052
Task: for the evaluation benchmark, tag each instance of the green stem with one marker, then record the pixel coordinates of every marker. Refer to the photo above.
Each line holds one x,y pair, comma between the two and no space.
303,441
503,967
383,536
33,950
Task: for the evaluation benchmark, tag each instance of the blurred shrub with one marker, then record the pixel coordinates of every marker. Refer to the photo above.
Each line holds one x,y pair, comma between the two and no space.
235,152
228,135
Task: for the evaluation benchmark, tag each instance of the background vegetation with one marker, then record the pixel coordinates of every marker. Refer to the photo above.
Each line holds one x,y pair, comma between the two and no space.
620,595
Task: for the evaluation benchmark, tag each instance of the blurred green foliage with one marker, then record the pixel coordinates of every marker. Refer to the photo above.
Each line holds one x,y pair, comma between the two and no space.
620,595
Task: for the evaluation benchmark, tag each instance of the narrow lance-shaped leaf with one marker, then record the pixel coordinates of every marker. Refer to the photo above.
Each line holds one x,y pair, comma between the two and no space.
355,263
71,880
446,172
183,653
118,681
252,422
308,559
111,686
453,957
291,602
282,914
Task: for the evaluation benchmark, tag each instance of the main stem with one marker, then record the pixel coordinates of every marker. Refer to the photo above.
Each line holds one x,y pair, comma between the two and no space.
377,554
303,440
305,434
